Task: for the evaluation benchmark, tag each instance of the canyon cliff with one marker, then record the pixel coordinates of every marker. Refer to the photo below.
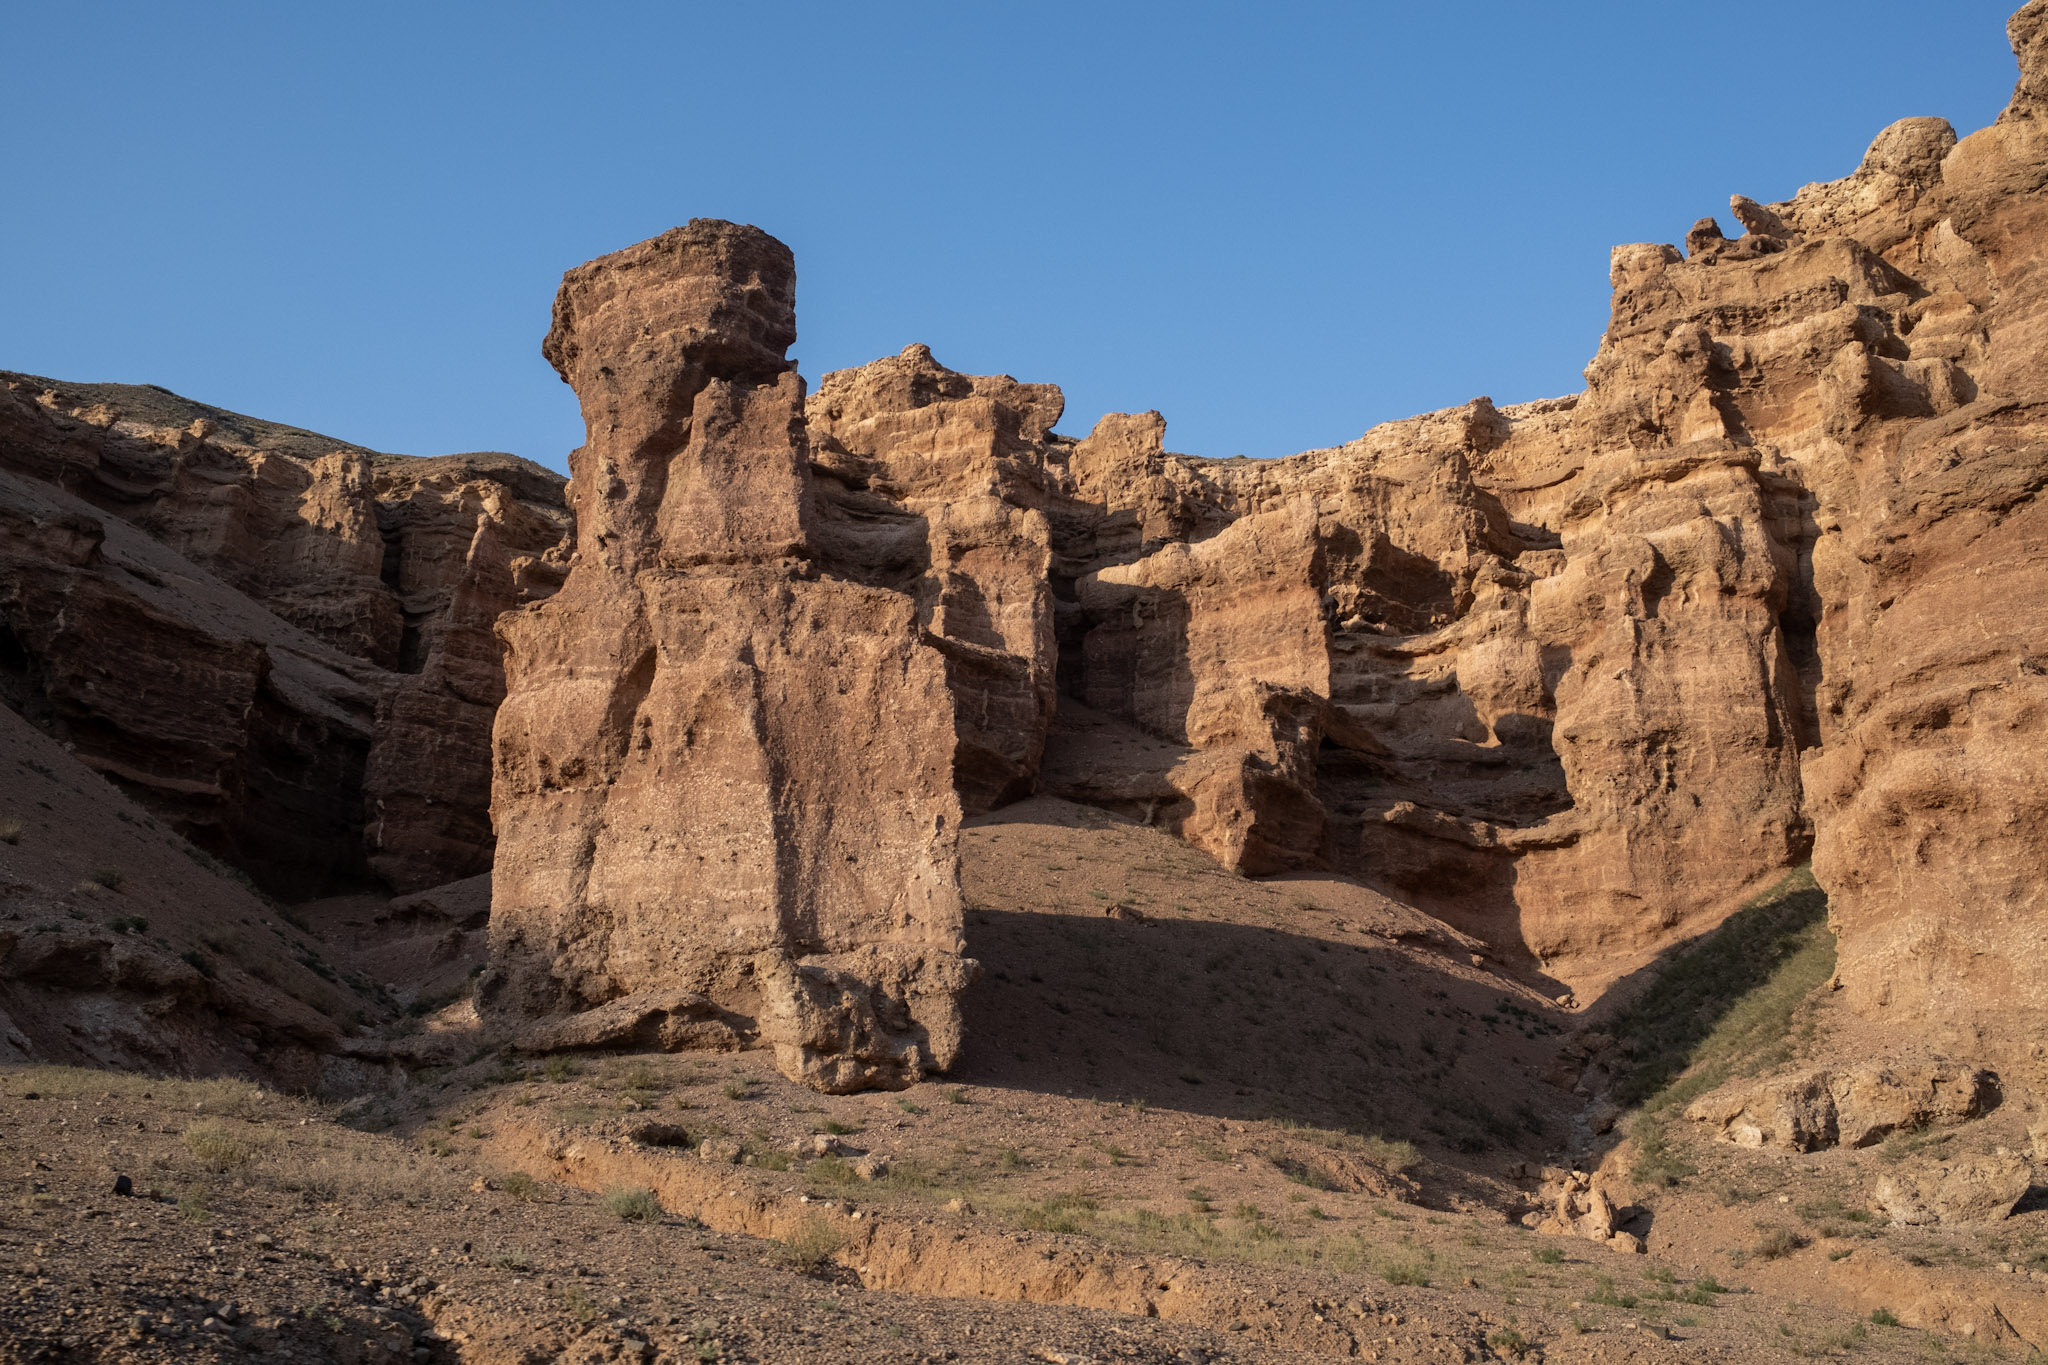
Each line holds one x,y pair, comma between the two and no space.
1575,676
723,784
280,642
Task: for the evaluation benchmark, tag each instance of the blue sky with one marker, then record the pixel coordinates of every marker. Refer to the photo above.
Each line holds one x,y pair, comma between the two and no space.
1277,223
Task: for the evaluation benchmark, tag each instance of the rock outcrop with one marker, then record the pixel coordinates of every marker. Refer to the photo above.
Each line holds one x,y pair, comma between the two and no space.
1971,1189
724,778
1576,1204
280,642
1853,1106
1930,789
1576,676
933,483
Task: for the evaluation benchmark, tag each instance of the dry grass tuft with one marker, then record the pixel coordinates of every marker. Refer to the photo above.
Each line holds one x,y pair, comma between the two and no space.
632,1205
811,1246
218,1148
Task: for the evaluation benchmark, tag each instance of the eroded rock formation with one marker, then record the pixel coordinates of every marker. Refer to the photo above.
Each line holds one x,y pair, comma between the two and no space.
724,782
1576,675
279,641
1855,1106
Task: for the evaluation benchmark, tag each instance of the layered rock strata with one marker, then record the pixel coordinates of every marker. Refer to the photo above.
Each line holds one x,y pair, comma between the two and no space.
1579,674
280,642
1575,675
724,787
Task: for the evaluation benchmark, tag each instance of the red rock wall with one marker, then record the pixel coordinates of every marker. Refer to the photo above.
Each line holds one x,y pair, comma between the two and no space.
304,681
724,778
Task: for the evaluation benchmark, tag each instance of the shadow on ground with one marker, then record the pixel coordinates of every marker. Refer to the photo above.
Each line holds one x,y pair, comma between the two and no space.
1238,1021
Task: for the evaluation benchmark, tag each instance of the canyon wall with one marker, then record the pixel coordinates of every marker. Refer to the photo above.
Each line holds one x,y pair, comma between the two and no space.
1576,675
278,642
724,777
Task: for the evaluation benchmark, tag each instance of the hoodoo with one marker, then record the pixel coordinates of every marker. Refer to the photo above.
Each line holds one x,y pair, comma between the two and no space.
723,784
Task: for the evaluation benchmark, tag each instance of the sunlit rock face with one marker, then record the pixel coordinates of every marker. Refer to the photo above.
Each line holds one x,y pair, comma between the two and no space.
724,779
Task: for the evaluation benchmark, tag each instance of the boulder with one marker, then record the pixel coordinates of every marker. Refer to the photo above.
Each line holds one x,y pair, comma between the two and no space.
1973,1189
1576,1204
1853,1106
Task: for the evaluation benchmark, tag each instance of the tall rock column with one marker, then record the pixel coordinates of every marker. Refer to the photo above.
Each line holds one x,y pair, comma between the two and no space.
723,786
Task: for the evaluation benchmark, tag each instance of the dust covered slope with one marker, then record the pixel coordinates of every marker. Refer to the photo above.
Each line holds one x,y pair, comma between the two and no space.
122,945
1123,964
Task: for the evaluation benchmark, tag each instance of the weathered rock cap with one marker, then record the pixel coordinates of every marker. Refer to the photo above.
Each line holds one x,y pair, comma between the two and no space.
2027,30
715,296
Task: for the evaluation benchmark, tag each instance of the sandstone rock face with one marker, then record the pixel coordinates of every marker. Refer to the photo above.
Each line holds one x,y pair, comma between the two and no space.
933,483
239,729
305,626
724,778
1854,1106
1976,1189
1577,675
1930,792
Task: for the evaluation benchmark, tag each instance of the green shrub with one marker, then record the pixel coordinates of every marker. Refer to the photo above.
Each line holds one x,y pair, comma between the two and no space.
632,1205
1776,1244
1604,1292
832,1170
810,1246
1067,1212
1405,1272
1307,1173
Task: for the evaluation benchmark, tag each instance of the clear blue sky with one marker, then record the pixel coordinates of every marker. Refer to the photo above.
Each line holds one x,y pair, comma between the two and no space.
1276,223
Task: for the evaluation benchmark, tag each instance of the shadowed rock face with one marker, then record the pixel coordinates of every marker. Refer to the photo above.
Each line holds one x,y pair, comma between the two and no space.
723,781
277,641
1577,675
